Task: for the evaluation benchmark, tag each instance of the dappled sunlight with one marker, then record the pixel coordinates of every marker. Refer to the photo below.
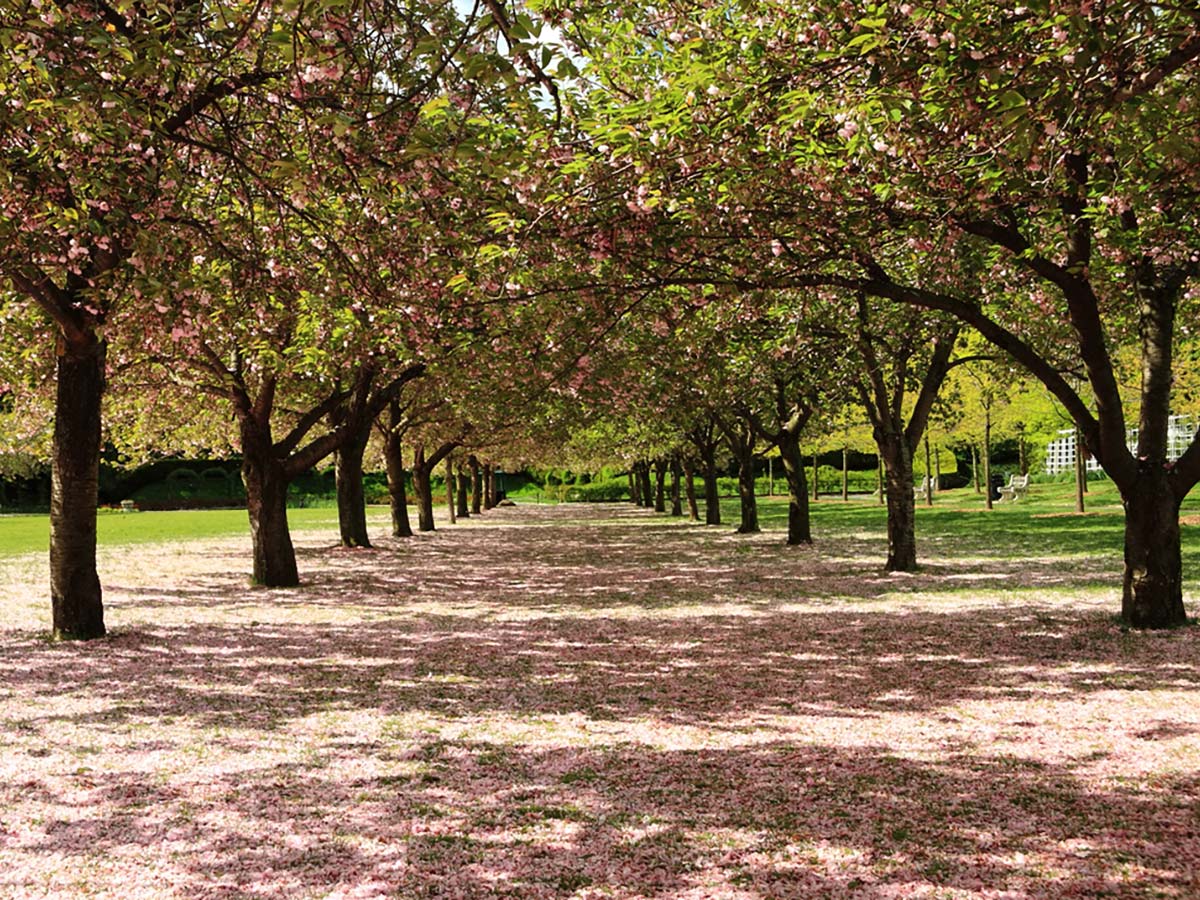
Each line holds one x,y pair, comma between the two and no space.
613,707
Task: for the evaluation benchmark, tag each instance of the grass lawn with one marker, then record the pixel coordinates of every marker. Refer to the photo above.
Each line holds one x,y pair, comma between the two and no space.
582,702
31,533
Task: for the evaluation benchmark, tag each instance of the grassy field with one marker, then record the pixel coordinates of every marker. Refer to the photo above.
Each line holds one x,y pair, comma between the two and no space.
596,703
21,534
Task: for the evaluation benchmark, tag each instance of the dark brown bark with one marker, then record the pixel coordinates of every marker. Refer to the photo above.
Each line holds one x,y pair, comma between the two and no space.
268,467
901,507
930,484
660,485
816,479
799,521
741,436
676,498
1152,591
635,489
712,494
705,439
394,459
987,457
882,392
449,482
476,485
489,486
1080,474
1158,288
266,484
351,502
77,607
1022,451
845,474
749,503
689,487
421,472
462,499
791,416
644,487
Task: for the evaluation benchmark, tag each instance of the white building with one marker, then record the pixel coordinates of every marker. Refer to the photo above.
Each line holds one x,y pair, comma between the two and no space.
1060,453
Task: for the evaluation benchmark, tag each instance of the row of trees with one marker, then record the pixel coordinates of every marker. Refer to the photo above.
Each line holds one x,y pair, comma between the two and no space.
1029,173
698,223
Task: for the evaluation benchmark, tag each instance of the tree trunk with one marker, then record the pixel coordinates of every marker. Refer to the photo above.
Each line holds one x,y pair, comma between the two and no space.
712,496
476,485
901,506
421,472
975,469
462,498
77,607
928,474
882,482
266,503
450,491
676,499
351,502
799,523
635,489
644,485
1080,473
489,487
816,485
1152,595
660,485
394,458
749,503
1022,451
987,458
845,474
689,487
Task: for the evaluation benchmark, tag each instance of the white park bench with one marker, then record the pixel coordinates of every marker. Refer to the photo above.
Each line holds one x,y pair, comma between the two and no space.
922,489
1016,487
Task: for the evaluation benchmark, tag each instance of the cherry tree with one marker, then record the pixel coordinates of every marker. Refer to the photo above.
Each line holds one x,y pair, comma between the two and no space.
1053,144
114,115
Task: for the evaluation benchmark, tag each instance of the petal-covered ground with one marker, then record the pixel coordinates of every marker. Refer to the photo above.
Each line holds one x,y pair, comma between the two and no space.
575,702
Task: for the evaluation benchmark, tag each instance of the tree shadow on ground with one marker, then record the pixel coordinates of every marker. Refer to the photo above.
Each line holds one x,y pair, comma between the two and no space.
693,670
632,712
478,820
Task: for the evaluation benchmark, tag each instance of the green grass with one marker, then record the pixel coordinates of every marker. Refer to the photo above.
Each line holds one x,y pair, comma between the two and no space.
31,533
1042,524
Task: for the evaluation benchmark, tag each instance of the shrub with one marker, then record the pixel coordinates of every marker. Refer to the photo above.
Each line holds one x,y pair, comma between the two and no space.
598,491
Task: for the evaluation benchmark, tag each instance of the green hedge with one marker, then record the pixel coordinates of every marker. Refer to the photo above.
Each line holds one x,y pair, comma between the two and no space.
598,491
